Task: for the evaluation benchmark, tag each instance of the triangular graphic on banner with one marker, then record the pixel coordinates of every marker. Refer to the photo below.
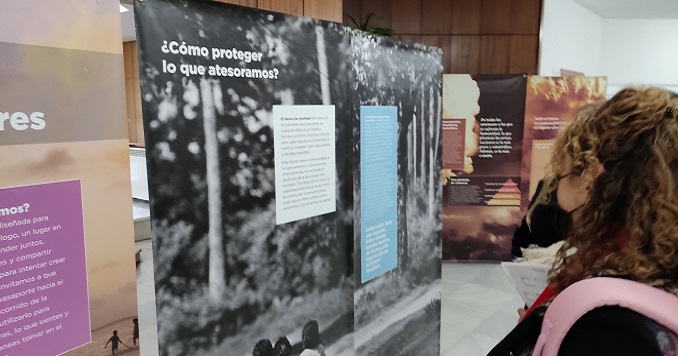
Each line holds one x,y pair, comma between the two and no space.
508,195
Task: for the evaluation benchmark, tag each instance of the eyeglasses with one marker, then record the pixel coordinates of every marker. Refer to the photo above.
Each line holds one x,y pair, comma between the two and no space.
563,176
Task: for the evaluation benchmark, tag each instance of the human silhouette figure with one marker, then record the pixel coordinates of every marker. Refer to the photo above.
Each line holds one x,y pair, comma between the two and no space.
263,348
114,340
310,338
135,332
282,347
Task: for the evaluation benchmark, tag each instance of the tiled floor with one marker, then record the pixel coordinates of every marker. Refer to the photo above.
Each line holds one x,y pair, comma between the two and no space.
478,306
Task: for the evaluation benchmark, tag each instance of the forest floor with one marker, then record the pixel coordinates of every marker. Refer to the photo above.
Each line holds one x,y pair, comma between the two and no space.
334,317
416,335
407,307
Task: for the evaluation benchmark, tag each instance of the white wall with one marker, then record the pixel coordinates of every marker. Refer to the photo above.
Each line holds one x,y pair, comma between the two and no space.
626,51
571,38
636,51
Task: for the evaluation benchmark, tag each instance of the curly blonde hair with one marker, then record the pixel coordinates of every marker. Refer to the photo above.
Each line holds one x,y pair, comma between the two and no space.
634,135
573,141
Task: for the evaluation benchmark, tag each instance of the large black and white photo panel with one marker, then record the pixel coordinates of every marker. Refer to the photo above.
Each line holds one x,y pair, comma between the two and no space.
240,260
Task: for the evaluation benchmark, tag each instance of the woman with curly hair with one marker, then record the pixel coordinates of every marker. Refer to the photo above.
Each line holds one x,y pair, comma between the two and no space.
615,171
546,223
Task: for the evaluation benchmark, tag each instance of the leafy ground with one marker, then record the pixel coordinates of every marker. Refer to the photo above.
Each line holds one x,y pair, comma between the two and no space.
418,334
426,298
288,319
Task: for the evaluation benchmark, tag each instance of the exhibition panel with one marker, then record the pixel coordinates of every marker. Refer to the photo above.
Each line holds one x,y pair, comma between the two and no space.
66,238
254,121
483,128
251,222
498,132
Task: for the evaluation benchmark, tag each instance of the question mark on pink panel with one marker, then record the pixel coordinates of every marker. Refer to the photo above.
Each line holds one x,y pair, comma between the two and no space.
26,206
276,71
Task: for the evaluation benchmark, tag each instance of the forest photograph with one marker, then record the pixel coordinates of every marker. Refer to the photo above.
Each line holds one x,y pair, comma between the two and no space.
398,313
226,276
229,280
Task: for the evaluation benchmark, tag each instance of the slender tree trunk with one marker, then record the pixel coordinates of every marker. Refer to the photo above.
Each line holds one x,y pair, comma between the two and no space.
414,150
439,119
403,238
217,276
422,117
322,65
438,134
431,162
410,153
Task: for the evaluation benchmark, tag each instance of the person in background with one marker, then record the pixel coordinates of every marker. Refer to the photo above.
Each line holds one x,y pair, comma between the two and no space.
546,223
114,340
135,331
282,347
310,339
618,179
549,224
263,348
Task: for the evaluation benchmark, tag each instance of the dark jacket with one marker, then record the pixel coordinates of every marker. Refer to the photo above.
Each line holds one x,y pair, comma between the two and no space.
550,224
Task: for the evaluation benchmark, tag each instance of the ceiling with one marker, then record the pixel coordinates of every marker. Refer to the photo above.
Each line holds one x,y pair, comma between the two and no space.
632,9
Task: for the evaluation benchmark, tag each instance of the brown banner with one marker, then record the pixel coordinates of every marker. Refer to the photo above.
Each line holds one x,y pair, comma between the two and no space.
481,198
549,103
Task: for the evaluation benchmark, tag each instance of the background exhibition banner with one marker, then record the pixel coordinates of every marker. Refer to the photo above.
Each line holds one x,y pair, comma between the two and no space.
236,265
503,156
481,197
66,238
550,103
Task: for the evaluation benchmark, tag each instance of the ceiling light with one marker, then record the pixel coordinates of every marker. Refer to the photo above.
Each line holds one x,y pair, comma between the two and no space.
123,9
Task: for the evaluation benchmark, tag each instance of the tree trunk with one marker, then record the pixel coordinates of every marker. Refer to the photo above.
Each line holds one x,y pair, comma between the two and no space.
403,239
322,66
439,119
431,151
414,150
410,153
422,117
437,148
217,276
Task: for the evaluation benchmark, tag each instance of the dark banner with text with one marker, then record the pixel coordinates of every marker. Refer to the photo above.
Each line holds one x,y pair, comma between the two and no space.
482,152
488,188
